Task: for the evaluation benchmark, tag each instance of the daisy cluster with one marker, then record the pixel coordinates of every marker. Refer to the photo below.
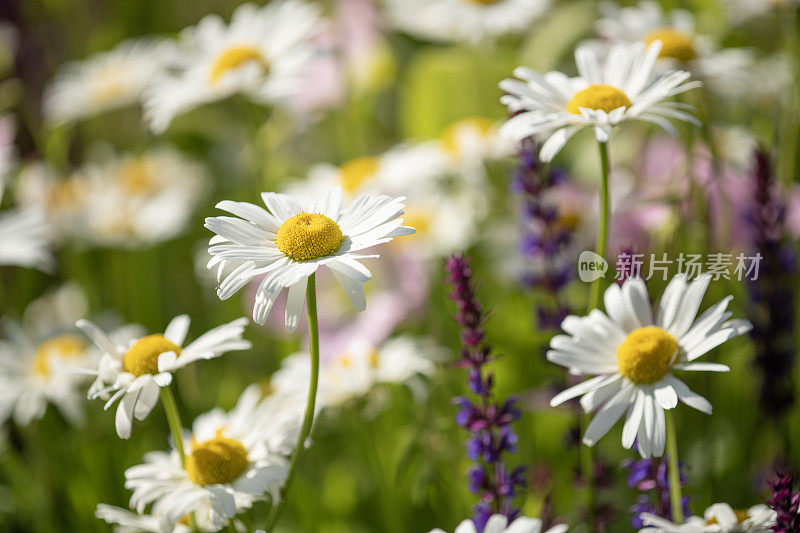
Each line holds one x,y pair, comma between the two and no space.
235,233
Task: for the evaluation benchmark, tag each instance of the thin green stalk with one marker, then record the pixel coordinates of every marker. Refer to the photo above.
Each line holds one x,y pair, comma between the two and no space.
602,227
308,419
174,420
176,429
586,452
675,499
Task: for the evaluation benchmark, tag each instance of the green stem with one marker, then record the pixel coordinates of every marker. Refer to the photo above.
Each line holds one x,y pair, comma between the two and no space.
586,453
176,430
602,227
174,420
308,419
675,499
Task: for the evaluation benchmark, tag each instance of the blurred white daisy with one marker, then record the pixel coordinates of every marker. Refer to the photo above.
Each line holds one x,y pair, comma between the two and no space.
134,374
469,21
719,518
105,81
138,200
264,53
681,45
621,88
233,460
290,241
27,238
354,370
499,524
743,10
634,353
446,193
472,142
38,355
61,199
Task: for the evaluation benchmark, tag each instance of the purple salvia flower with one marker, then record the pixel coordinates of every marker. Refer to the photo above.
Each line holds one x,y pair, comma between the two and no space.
650,476
772,294
545,238
488,421
785,501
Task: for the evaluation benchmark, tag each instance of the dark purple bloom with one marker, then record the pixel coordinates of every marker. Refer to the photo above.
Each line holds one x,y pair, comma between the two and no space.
650,476
545,237
785,501
772,294
487,420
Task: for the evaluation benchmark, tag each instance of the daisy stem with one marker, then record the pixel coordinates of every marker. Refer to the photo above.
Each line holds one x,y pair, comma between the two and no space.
176,430
174,420
675,498
586,453
602,227
305,431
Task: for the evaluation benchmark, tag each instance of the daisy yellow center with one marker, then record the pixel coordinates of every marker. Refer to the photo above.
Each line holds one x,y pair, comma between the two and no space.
63,347
215,461
741,517
674,44
646,354
108,84
374,358
419,219
136,176
598,96
450,137
233,58
355,173
485,2
142,357
308,236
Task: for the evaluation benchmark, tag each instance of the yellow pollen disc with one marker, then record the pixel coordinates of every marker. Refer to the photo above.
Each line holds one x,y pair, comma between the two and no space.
357,172
107,84
419,219
136,176
142,357
63,346
233,58
216,461
599,96
450,137
345,361
308,236
646,354
374,358
741,516
674,44
570,221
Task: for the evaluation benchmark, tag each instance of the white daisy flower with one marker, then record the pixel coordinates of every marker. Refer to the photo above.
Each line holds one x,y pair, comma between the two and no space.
472,142
137,200
445,214
634,352
290,241
27,238
469,21
681,45
125,521
105,81
233,460
264,53
719,518
134,374
38,357
353,371
499,524
621,88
